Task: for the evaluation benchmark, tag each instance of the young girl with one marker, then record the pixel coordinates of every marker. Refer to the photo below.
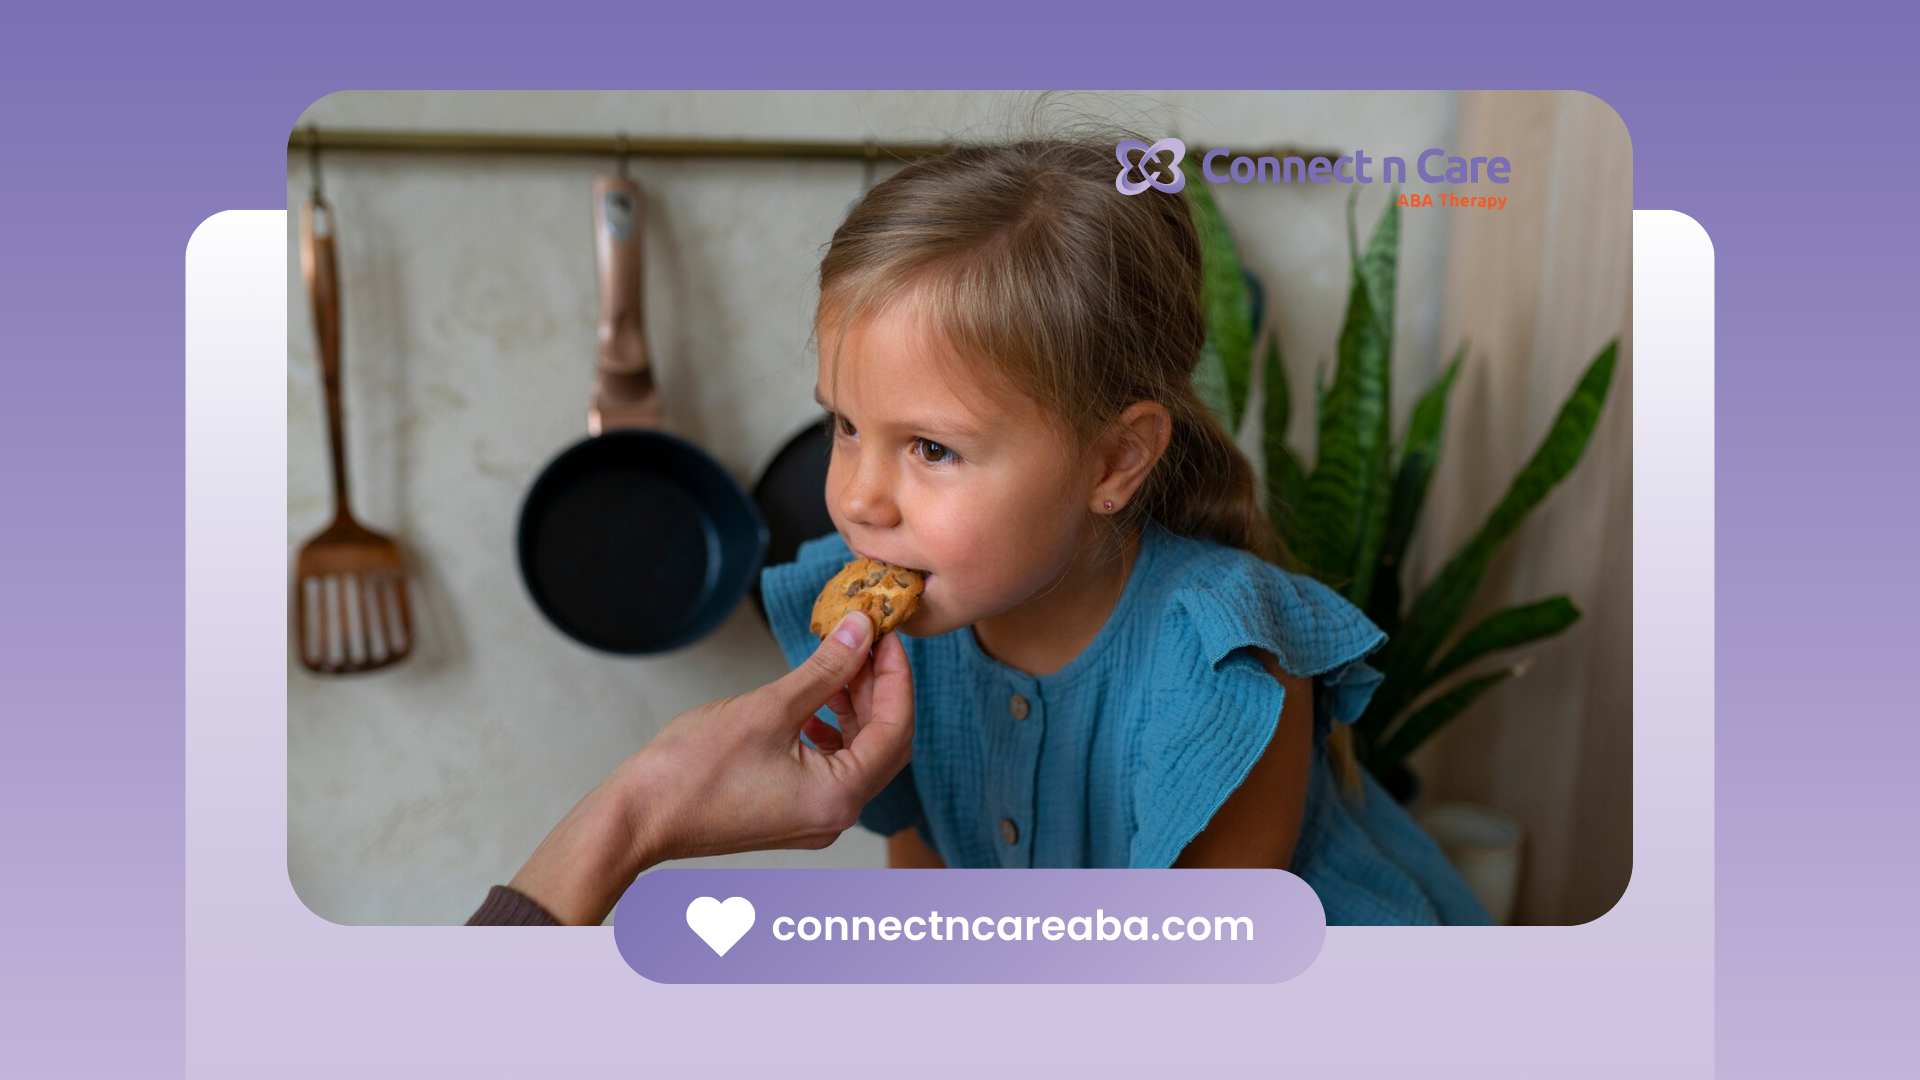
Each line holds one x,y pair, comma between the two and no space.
1108,669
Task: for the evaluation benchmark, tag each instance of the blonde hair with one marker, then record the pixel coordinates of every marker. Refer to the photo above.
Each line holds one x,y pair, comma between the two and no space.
1025,255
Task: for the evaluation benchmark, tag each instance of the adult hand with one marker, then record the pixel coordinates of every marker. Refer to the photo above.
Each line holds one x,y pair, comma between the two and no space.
732,775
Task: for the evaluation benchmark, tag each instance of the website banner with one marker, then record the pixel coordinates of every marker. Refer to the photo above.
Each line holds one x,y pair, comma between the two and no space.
970,926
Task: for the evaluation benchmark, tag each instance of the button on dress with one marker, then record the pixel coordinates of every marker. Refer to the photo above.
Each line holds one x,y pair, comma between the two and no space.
1122,756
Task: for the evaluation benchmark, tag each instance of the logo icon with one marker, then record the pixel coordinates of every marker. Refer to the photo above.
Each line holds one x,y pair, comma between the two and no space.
1148,165
720,925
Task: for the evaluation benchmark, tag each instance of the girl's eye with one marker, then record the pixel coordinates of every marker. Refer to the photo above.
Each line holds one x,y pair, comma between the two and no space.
936,453
842,424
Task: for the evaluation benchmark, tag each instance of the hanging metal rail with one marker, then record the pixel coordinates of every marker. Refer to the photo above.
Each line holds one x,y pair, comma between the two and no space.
464,142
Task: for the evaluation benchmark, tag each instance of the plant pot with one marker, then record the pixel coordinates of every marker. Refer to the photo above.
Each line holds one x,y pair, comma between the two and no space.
1484,845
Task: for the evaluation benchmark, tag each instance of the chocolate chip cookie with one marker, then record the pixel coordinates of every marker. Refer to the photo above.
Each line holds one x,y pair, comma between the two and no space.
887,594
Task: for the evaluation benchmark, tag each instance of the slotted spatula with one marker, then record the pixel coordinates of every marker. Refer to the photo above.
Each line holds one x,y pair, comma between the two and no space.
349,587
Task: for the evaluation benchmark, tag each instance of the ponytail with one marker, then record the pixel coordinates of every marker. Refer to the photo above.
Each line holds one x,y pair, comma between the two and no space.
1204,486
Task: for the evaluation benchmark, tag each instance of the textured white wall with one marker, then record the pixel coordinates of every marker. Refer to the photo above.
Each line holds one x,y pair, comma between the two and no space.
468,300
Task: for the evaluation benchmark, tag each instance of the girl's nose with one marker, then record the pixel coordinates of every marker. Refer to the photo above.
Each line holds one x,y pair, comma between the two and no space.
867,497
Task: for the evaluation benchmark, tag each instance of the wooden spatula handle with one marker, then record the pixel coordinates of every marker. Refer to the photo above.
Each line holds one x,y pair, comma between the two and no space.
323,292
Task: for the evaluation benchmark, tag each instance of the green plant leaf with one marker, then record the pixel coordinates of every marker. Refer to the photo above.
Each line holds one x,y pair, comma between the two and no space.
1332,507
1285,480
1380,271
1353,230
1430,718
1418,458
1278,413
1415,472
1227,356
1439,608
1507,629
1380,268
1344,505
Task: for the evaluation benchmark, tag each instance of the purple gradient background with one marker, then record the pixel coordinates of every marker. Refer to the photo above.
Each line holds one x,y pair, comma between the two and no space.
1289,926
127,128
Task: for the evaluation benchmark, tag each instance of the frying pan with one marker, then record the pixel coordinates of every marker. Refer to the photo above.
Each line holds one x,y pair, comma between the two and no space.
633,541
792,497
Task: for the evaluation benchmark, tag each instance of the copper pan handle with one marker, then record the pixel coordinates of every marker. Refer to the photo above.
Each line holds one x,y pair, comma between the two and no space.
323,293
623,392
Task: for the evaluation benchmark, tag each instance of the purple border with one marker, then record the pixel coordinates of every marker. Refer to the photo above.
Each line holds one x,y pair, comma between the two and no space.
129,130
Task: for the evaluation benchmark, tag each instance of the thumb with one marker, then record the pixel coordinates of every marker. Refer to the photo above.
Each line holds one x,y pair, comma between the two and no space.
831,667
885,740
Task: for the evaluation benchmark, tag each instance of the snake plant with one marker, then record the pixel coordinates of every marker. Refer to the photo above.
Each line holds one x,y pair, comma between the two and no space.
1348,521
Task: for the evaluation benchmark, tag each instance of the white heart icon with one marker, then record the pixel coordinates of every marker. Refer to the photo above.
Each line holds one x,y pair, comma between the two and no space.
720,925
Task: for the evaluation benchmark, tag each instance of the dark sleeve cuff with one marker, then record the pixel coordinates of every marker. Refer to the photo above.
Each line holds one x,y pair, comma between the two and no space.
506,907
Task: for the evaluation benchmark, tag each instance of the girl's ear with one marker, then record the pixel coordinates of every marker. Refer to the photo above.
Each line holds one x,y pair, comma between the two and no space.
1135,442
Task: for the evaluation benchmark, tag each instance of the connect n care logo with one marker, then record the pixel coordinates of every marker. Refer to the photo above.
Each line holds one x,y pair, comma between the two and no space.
1290,166
1149,156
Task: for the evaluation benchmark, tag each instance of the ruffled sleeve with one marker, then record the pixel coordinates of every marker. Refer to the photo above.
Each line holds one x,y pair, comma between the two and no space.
1214,707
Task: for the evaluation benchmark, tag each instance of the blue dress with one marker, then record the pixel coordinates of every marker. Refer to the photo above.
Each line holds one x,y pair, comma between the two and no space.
1122,756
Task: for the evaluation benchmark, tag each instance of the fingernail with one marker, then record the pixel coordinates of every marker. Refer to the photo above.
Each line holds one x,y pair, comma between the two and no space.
852,631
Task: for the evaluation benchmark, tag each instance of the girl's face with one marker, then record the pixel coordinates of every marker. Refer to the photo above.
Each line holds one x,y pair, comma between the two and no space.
960,478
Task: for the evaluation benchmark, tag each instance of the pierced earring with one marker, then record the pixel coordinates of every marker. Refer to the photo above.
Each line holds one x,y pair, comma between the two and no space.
1109,504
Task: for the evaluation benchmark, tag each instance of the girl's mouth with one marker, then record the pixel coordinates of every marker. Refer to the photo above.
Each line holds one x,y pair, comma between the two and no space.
924,574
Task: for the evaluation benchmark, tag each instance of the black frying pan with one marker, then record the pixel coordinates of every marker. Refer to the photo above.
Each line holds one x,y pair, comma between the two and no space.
634,541
792,498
